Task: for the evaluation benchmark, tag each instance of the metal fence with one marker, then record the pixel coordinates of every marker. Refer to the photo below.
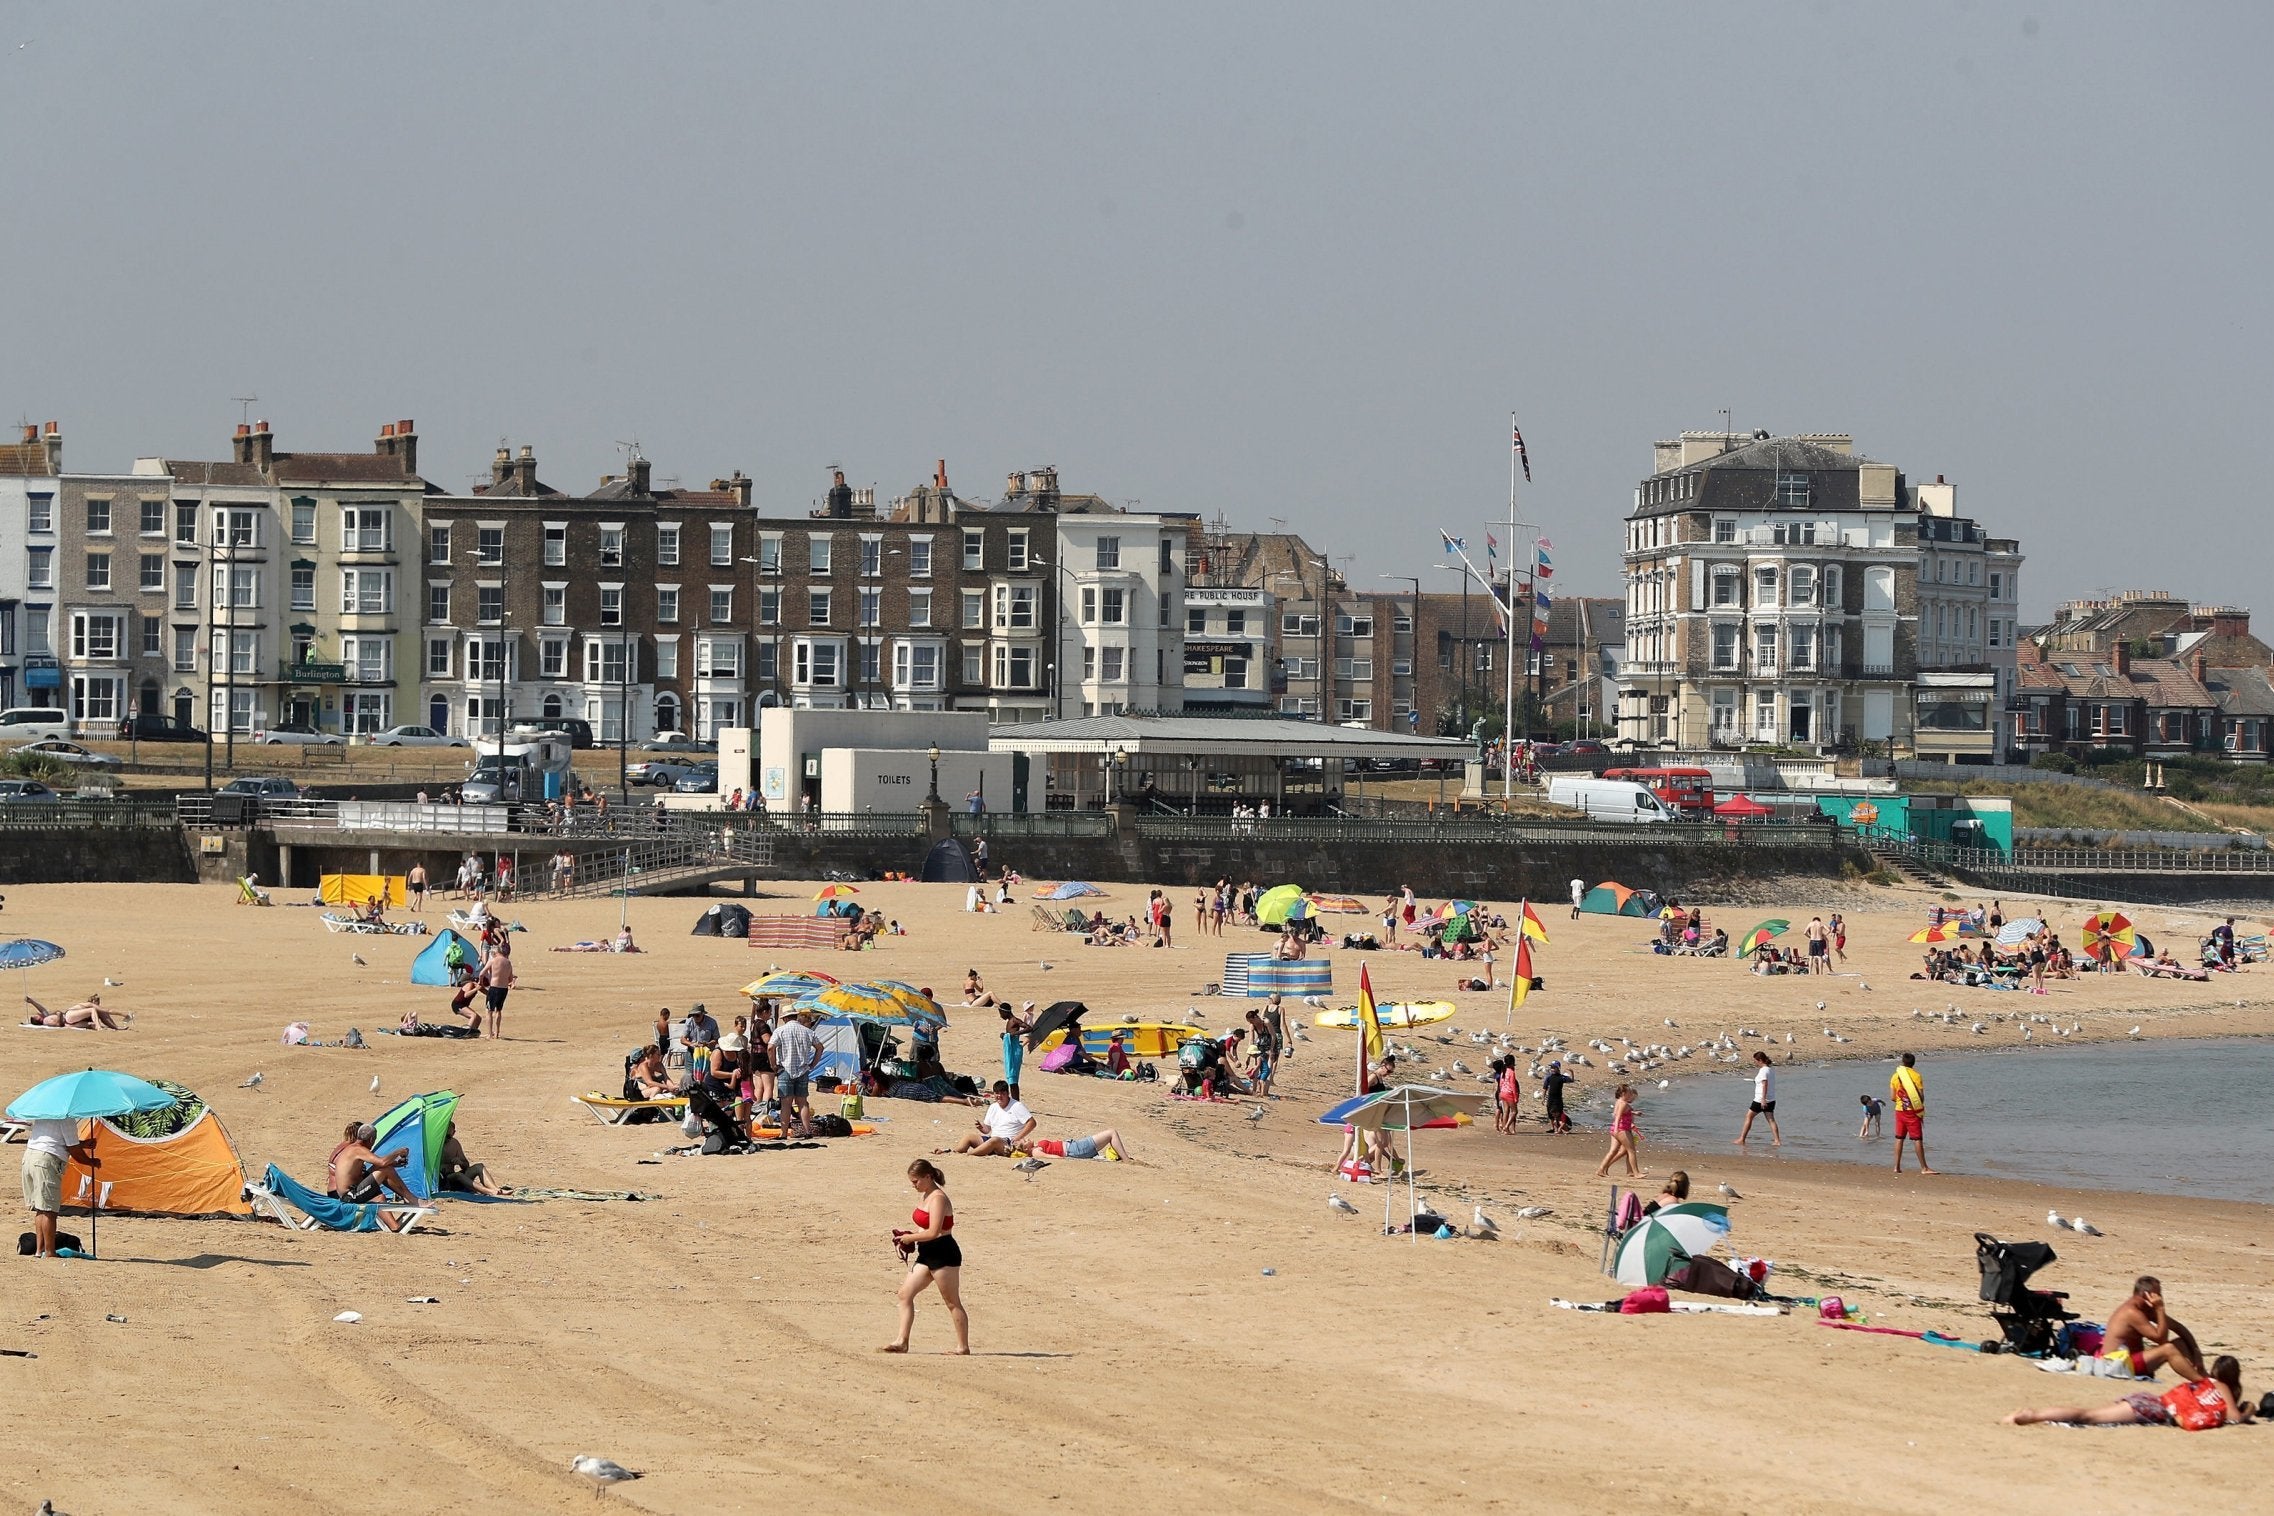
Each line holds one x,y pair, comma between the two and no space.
2070,861
76,815
1034,824
1470,829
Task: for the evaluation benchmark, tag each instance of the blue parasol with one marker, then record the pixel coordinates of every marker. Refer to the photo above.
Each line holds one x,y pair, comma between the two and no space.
82,1096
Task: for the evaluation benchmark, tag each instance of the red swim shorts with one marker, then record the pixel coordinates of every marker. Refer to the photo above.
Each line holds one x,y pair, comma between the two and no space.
1910,1124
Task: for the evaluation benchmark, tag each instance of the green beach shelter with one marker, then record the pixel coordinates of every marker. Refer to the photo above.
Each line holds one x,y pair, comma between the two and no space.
420,1124
1276,905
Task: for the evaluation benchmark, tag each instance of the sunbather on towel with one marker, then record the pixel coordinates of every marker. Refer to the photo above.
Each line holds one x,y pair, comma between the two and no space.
357,1174
649,1076
87,1015
1106,1144
458,1174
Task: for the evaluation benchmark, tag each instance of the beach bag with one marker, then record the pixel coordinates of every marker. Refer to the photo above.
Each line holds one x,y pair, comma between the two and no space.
850,1106
1710,1276
1650,1300
65,1242
1194,1053
2197,1406
832,1126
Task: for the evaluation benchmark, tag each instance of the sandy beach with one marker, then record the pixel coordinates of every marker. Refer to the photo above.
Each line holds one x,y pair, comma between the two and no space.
1196,1327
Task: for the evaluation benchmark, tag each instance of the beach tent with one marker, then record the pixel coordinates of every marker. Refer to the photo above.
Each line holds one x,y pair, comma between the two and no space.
1072,889
173,1161
722,921
420,1124
1277,905
360,889
1741,808
1610,898
948,863
432,965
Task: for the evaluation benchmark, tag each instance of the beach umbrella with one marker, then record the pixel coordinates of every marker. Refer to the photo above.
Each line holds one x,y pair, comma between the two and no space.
81,1096
910,996
2014,933
865,1002
788,984
1456,908
1666,1239
1072,889
2142,947
27,953
1337,905
1277,903
1402,1108
1061,1014
1760,937
1462,929
1946,931
2108,935
834,891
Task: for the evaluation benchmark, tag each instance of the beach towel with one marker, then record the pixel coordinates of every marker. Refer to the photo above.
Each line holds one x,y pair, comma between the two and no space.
328,1212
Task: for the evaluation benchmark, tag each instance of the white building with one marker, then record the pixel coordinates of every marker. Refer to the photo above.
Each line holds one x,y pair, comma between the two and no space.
1969,608
1227,650
226,578
1119,583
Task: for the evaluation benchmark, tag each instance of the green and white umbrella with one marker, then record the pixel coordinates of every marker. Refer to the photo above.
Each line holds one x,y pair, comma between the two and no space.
1666,1239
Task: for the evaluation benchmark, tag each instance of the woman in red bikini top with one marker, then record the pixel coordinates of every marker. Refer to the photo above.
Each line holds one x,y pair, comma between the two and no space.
933,1255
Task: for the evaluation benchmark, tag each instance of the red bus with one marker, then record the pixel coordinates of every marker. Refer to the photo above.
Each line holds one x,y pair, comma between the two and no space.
1687,791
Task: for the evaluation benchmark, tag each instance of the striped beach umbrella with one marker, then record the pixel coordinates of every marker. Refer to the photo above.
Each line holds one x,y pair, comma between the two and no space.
788,984
1666,1239
864,1002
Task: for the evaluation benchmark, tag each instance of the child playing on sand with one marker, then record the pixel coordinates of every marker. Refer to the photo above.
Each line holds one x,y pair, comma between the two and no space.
1624,1136
1871,1109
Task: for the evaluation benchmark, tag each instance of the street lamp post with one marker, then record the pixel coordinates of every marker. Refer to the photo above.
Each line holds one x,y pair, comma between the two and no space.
933,798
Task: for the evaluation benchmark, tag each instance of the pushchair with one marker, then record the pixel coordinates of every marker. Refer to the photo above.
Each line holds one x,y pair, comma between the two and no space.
2031,1321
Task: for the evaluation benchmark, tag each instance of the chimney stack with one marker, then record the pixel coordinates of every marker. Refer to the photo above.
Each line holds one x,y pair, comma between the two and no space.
241,444
54,442
501,467
2200,667
525,470
740,484
637,472
840,500
939,475
263,447
406,447
2123,652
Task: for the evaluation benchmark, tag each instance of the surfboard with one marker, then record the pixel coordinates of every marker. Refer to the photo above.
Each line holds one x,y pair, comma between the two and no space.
1419,1013
1145,1039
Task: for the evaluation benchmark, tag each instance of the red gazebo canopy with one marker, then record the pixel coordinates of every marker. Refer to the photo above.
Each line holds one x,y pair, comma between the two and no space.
1741,808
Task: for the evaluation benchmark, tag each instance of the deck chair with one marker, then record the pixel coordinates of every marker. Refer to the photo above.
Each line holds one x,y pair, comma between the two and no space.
1047,921
249,893
614,1112
278,1195
1077,919
336,923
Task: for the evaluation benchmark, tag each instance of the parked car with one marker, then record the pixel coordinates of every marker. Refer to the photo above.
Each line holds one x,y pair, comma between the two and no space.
26,792
56,750
416,736
577,730
673,742
267,787
299,733
149,726
699,779
663,773
32,723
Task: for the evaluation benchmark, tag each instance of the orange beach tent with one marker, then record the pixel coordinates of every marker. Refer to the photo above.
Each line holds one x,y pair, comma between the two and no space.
192,1172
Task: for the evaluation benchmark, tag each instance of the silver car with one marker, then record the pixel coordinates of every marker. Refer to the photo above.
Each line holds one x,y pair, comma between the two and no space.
26,792
415,736
299,733
56,750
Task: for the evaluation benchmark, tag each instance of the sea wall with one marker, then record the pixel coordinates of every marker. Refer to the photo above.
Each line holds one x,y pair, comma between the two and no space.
96,855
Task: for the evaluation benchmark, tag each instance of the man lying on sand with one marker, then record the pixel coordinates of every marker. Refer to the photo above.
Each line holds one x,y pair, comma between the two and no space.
88,1015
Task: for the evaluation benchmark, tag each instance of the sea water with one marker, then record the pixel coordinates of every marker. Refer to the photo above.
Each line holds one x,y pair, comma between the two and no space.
2174,1117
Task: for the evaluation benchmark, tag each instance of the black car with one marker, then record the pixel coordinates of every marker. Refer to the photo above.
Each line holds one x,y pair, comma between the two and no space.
149,726
577,730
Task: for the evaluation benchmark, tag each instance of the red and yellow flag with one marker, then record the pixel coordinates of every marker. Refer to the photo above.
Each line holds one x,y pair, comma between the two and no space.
1520,985
1370,1043
1529,923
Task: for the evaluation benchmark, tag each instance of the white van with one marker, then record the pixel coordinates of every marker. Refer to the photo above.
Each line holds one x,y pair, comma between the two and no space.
1607,799
34,723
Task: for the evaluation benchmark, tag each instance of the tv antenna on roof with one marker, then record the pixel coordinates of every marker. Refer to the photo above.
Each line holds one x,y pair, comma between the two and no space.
631,450
245,404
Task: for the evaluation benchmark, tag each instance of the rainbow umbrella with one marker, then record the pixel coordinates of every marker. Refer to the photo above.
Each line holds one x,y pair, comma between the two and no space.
788,984
2108,935
1338,905
1761,936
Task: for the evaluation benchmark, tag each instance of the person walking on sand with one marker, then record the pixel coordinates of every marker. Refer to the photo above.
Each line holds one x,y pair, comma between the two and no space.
932,1255
1578,893
1839,928
497,983
1764,1101
416,884
1816,946
1624,1136
1907,1088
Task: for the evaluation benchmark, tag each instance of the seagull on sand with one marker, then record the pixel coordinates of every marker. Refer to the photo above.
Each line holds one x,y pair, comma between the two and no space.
1337,1203
253,1083
357,960
1255,1115
603,1471
1535,1212
2079,1224
2133,1033
1031,1166
1483,1223
374,1084
1731,1192
120,984
2056,1219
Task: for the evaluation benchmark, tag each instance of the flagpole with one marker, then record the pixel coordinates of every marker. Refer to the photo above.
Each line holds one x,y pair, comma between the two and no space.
1508,735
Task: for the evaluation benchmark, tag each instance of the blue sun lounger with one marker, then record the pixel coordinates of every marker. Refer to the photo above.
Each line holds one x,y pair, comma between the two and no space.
320,1212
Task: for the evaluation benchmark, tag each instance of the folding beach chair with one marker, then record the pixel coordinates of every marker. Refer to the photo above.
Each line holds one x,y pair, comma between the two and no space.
249,893
278,1195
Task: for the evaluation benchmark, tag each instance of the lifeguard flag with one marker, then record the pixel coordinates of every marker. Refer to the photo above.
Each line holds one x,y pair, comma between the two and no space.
1531,925
1370,1044
1521,985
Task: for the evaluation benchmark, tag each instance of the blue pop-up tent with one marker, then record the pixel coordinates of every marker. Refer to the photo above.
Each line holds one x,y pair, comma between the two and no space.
432,966
420,1124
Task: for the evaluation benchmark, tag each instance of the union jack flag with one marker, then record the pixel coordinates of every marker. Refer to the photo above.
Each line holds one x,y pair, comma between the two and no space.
1517,434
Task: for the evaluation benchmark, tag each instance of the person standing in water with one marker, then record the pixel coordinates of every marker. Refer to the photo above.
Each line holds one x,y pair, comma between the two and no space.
1764,1101
1907,1088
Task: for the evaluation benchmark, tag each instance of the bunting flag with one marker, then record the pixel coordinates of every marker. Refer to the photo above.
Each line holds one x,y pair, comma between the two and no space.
1370,1043
1543,570
1491,546
1517,434
1453,544
1520,986
1531,925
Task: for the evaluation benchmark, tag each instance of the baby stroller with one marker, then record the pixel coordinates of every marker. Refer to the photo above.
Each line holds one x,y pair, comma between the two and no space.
2031,1320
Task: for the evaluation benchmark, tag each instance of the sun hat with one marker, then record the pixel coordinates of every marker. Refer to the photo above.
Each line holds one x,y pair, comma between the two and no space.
732,1042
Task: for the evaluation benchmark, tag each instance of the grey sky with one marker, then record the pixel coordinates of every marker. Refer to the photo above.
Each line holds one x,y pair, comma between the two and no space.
1282,260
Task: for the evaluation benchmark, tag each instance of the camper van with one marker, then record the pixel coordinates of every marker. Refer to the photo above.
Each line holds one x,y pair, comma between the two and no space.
533,771
1607,799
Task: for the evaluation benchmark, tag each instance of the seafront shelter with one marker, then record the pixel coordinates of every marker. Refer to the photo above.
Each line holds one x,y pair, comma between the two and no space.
1208,765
